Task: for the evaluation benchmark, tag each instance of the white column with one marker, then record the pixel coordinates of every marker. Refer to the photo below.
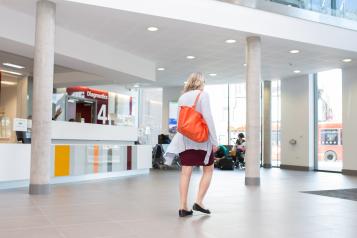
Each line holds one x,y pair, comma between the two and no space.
267,125
349,118
253,126
42,96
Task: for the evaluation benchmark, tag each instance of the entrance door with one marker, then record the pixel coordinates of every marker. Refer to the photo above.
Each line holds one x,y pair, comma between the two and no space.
329,121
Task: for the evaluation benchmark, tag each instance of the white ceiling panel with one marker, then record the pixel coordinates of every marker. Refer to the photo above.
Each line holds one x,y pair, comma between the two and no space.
175,39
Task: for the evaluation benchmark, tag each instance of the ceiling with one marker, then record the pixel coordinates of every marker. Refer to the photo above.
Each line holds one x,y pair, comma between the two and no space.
175,39
6,57
27,63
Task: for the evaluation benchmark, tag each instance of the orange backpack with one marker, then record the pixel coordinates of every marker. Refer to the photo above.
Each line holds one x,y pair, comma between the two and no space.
191,123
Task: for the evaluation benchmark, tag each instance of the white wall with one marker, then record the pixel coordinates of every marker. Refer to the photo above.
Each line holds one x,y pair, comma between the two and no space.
349,118
297,121
169,94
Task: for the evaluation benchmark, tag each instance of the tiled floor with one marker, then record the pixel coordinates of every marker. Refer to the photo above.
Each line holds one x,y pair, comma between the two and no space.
146,206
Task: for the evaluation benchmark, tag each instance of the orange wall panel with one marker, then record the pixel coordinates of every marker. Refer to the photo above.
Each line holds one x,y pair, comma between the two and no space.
62,160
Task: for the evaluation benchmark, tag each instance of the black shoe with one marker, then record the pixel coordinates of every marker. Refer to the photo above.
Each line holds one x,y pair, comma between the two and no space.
184,213
197,207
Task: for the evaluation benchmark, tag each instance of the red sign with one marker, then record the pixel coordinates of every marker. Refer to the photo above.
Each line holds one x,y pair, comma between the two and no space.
101,97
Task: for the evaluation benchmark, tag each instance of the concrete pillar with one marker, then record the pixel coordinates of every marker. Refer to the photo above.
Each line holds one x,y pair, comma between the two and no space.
267,124
253,126
42,96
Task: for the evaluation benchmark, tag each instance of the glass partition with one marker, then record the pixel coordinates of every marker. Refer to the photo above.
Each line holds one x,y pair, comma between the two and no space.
344,9
93,105
340,8
5,127
150,111
275,127
237,111
329,120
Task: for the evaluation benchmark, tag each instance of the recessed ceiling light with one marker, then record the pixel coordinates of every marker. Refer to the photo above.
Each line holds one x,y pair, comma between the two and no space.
152,28
245,65
297,71
10,72
347,60
8,83
190,57
161,69
294,51
212,75
136,85
230,41
13,65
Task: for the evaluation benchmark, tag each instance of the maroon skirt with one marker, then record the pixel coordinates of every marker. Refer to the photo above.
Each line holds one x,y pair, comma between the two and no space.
195,158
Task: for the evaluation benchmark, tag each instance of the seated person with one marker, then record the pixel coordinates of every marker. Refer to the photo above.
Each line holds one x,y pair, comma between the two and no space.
241,143
222,152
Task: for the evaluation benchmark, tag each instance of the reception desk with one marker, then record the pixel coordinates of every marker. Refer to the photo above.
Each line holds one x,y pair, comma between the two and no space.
14,162
81,161
79,152
84,133
75,162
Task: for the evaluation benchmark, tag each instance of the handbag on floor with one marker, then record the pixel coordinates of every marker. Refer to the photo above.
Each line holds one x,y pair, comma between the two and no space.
225,164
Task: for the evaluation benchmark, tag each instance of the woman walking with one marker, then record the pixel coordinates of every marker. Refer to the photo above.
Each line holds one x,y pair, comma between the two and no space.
193,153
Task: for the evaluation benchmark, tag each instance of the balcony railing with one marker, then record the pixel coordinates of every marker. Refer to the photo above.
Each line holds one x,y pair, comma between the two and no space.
340,8
341,13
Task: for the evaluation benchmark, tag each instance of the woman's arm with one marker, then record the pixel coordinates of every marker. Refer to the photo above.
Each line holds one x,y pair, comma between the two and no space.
207,115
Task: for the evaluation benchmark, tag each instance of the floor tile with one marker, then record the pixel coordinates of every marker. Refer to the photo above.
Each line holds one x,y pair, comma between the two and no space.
147,206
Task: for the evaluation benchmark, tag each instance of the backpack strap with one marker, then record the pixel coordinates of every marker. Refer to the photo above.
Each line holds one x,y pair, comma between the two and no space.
197,98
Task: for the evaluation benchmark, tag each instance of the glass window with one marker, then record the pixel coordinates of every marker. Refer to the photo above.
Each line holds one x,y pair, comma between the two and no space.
219,106
329,123
350,9
276,116
237,107
236,110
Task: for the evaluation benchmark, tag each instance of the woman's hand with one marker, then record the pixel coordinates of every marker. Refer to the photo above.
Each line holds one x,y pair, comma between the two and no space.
214,149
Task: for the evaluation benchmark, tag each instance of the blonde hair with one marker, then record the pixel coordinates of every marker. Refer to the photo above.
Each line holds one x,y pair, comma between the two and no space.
195,81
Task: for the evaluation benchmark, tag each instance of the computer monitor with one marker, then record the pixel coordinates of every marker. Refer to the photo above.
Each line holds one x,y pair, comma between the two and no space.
23,137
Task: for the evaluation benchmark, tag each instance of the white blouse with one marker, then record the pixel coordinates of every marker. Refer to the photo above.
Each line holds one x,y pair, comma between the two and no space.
180,142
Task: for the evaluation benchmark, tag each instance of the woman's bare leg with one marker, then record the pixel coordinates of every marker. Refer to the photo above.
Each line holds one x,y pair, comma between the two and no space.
204,184
186,172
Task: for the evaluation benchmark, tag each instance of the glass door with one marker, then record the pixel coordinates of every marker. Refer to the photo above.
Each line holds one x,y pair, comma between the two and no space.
237,111
328,124
275,127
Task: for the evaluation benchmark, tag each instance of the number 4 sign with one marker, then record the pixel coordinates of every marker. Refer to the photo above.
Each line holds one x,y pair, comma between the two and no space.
102,113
